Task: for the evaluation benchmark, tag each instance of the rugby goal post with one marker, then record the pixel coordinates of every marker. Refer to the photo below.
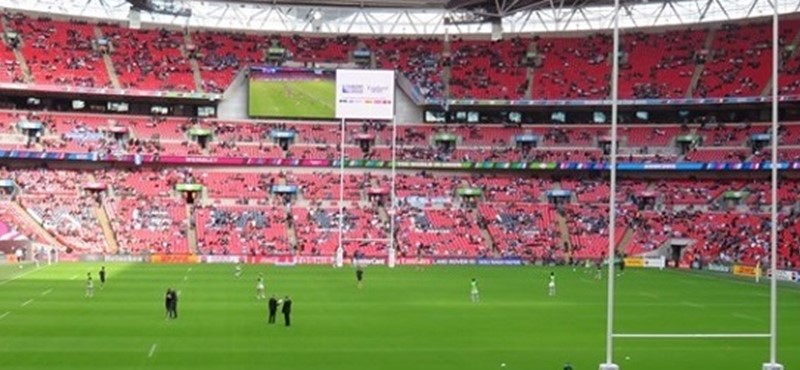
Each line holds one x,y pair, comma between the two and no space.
772,334
366,95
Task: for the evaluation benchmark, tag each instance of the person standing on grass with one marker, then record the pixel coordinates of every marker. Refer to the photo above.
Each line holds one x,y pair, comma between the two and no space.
89,285
260,287
757,271
102,277
567,366
286,309
473,292
551,286
174,308
168,303
599,266
359,276
273,309
19,254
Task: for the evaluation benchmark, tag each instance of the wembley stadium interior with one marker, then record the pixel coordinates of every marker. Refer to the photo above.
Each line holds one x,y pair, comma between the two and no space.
205,131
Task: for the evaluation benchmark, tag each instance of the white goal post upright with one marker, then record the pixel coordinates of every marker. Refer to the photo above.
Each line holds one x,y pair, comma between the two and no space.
612,199
392,260
772,335
366,95
773,242
339,261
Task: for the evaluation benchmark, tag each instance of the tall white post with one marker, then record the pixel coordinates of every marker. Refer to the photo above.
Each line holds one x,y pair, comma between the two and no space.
612,211
340,250
773,259
393,209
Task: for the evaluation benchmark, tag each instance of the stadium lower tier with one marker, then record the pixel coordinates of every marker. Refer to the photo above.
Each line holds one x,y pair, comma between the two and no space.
261,212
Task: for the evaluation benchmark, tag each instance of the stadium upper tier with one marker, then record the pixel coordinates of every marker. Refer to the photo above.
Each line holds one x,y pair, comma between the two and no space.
642,143
535,218
729,60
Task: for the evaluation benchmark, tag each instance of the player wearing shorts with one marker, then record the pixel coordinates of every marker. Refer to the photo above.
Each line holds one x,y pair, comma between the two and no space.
757,271
238,272
551,286
260,287
599,266
20,255
473,293
89,285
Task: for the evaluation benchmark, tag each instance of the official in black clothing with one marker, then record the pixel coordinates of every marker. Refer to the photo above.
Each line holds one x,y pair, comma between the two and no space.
174,310
273,309
567,366
102,277
359,276
287,311
168,303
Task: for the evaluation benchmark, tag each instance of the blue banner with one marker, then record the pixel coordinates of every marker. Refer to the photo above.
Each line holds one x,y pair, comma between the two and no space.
558,193
138,159
285,189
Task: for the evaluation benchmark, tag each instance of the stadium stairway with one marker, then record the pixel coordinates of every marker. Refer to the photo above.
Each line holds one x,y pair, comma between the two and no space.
446,69
191,229
382,214
487,237
41,234
23,65
291,231
112,74
198,78
108,232
793,54
626,240
563,232
530,73
700,67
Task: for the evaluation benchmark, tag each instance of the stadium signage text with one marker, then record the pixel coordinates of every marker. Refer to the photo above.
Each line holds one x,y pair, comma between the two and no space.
719,268
220,259
124,258
741,270
499,262
784,275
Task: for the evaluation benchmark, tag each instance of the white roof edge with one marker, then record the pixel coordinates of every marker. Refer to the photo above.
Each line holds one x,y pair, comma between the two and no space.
268,18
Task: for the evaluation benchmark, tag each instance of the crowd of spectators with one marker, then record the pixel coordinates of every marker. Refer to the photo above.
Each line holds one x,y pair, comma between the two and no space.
512,217
658,64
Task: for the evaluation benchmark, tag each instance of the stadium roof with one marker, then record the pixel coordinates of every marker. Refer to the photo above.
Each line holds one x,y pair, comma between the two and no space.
414,17
410,4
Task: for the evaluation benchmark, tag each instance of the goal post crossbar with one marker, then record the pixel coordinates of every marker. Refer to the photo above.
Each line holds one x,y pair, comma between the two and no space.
691,335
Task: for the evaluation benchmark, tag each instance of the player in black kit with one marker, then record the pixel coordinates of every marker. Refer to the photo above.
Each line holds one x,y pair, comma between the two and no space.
102,277
359,276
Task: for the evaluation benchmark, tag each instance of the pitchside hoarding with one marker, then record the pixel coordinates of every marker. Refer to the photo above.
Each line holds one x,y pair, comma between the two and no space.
364,94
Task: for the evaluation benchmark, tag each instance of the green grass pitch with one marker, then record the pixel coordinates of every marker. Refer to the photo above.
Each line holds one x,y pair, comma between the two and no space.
401,319
293,99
